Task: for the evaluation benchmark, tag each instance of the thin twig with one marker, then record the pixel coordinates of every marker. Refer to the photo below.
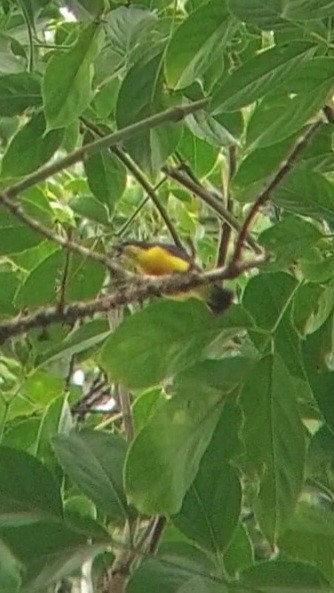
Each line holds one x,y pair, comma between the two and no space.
210,199
17,210
125,405
138,175
170,115
63,283
265,195
226,228
144,288
156,534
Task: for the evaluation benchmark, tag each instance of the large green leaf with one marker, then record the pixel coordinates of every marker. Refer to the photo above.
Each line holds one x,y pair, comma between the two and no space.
308,193
170,569
285,576
94,460
176,334
106,177
278,117
74,69
270,14
197,42
210,510
140,96
310,536
19,159
15,236
258,76
267,296
39,287
27,490
164,457
274,440
50,551
302,235
18,92
128,29
10,571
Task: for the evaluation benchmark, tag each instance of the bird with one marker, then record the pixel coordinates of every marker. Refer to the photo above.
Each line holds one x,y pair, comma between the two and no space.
158,259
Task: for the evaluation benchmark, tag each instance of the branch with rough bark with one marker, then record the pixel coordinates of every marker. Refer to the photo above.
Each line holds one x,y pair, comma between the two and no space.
139,289
283,170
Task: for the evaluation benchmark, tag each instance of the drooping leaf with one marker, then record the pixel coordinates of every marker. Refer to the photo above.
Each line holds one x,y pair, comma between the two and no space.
164,457
274,440
19,159
18,92
258,76
27,490
74,69
94,460
196,43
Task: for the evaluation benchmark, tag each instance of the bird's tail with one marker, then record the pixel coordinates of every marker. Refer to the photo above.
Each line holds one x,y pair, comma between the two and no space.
219,299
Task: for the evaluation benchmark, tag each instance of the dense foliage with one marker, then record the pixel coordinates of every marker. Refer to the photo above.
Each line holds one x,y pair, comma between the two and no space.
213,472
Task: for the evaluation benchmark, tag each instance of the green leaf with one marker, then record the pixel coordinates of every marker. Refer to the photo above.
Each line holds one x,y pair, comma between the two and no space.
175,335
95,9
78,341
210,510
106,177
284,576
141,95
128,31
197,42
268,15
145,405
94,460
308,193
85,279
15,236
10,571
19,159
310,536
56,419
258,76
22,434
73,69
18,92
166,572
239,553
27,490
277,117
51,551
274,440
200,155
301,235
9,282
313,303
88,207
39,287
258,165
164,457
317,350
266,297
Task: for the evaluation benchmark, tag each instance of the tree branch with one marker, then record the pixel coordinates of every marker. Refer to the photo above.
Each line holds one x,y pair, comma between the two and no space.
170,115
138,175
138,291
226,229
283,170
15,208
210,199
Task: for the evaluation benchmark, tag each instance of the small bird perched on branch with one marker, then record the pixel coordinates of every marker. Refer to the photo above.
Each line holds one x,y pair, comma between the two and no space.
159,259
